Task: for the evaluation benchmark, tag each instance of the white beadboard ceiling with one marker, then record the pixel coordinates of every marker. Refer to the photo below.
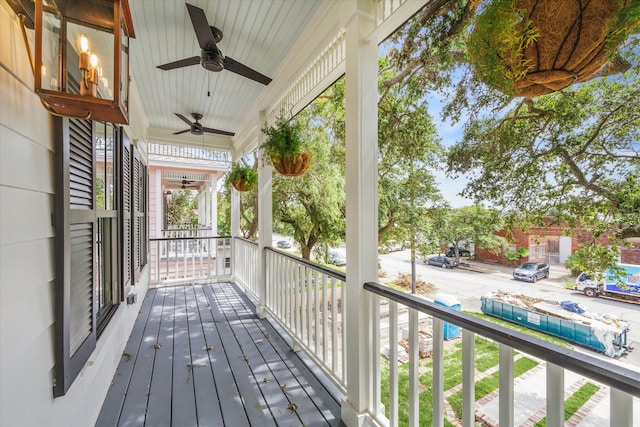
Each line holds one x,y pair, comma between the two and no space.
257,33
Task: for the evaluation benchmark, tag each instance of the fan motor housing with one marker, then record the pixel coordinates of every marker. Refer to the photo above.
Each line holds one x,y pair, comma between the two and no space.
196,129
212,60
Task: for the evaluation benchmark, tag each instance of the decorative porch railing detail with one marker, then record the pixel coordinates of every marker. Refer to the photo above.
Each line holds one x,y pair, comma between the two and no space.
386,8
624,382
307,86
246,264
306,299
197,154
188,230
190,259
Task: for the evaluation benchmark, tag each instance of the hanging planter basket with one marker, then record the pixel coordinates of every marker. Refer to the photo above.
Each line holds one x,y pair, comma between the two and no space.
243,185
534,47
292,165
285,146
243,178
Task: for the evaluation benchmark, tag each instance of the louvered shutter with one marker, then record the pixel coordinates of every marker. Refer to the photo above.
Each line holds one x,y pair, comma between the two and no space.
139,200
75,337
127,225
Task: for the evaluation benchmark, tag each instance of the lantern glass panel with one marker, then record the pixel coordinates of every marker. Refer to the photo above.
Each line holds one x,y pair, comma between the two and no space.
81,73
124,69
51,66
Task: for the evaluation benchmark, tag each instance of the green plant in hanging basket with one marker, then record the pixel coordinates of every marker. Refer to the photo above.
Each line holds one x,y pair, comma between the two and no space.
286,149
243,178
534,47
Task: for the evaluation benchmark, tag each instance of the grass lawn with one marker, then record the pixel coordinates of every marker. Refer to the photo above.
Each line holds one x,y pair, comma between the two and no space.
574,402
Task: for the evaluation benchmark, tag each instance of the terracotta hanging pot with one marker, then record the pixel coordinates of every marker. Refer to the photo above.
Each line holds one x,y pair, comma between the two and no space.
292,165
558,43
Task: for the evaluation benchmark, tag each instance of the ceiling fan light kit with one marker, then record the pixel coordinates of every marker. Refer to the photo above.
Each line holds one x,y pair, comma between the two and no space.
211,58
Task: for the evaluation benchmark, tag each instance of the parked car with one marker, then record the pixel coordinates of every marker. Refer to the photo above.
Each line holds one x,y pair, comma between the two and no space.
531,271
284,244
393,246
336,258
442,261
461,251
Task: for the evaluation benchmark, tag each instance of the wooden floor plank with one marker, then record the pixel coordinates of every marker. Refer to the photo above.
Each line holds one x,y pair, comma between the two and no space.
217,364
255,406
229,399
324,401
206,392
112,406
158,411
183,402
274,384
135,404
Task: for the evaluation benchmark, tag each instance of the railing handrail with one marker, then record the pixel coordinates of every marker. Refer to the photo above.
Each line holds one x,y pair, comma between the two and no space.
600,370
156,239
325,270
244,239
187,228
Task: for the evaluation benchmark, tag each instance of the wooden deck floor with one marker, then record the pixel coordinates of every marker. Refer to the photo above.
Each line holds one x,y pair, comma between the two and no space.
199,356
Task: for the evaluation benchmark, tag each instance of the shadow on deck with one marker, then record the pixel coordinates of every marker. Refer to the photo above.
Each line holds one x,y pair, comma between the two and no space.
199,356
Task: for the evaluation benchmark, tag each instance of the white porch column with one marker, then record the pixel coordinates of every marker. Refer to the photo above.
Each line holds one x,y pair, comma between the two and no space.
156,230
235,206
265,219
212,191
362,212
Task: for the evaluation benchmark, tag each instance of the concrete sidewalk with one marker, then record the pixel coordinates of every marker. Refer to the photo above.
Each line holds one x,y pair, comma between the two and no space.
530,401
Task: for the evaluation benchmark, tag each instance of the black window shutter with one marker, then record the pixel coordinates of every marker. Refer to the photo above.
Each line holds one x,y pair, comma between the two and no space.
138,199
127,220
75,327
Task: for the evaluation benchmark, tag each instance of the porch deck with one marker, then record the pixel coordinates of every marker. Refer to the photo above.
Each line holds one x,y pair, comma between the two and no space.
199,356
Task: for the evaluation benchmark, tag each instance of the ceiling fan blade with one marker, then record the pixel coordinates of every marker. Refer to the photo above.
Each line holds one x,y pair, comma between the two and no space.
181,63
206,40
219,132
184,119
182,131
241,69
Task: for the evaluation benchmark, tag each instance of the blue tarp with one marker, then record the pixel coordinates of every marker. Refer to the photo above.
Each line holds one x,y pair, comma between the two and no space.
573,307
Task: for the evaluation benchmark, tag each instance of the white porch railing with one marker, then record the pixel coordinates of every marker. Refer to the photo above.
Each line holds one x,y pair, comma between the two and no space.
189,259
306,299
186,230
624,382
246,264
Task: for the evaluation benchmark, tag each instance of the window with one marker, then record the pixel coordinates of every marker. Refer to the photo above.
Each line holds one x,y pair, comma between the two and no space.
106,289
100,221
542,251
532,252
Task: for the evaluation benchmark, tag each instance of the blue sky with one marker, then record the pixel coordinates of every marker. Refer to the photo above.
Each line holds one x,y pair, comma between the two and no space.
449,134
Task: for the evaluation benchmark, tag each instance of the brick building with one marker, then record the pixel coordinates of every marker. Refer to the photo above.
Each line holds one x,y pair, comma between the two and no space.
553,244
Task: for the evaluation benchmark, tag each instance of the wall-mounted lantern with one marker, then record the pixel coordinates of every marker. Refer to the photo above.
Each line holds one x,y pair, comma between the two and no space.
81,57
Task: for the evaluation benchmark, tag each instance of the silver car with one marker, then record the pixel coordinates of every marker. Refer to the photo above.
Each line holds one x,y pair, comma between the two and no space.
531,272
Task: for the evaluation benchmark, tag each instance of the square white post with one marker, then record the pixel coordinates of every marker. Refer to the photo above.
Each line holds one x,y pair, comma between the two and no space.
265,220
362,212
212,206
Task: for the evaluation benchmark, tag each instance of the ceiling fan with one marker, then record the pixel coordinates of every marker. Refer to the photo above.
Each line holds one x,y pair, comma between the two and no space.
211,58
196,127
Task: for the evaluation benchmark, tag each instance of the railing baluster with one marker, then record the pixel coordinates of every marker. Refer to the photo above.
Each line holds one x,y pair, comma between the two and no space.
393,364
468,379
438,372
506,385
555,396
414,397
334,325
